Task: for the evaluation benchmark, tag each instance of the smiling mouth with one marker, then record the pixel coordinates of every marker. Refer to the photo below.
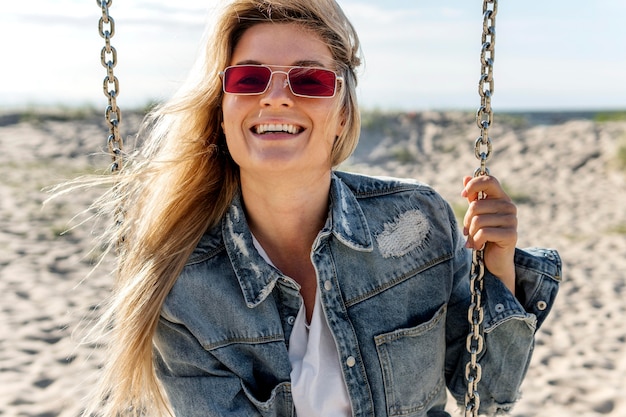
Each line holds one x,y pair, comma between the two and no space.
277,128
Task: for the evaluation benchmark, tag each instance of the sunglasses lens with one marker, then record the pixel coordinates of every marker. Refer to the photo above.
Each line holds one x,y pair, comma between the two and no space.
312,82
246,79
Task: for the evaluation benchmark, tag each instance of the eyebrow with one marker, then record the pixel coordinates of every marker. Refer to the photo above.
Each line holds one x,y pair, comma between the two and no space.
301,63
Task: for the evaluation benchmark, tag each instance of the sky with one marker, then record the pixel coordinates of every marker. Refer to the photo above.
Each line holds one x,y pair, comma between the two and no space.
419,55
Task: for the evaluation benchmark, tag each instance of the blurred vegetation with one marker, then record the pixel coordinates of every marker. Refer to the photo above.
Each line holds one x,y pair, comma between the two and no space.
518,197
620,156
403,155
610,116
377,120
65,113
515,121
459,210
619,229
58,114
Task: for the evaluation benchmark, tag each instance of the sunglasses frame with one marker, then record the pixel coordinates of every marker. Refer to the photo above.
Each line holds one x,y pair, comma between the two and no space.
338,79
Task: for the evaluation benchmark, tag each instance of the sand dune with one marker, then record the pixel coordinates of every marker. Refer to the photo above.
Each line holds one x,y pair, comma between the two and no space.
562,169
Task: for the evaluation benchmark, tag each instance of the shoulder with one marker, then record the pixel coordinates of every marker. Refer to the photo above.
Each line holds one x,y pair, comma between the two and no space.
388,199
366,186
209,245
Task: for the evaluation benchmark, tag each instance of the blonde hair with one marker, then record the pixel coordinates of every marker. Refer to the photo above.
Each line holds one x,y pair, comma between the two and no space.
182,184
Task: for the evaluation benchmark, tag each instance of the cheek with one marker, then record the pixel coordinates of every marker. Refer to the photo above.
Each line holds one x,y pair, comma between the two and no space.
227,115
331,125
232,117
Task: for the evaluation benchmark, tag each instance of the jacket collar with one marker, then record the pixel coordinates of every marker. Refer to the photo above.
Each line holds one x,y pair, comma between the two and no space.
349,224
256,277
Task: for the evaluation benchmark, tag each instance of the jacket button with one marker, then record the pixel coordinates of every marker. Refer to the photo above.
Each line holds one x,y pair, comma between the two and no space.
328,285
542,305
291,320
350,361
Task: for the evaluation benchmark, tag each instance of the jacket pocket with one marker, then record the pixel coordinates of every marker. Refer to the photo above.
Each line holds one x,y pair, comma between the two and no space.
280,403
412,363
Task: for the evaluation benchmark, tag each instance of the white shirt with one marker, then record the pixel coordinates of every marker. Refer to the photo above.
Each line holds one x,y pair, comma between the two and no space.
317,383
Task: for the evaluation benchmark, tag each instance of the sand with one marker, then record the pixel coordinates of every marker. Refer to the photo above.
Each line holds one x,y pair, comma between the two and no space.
561,169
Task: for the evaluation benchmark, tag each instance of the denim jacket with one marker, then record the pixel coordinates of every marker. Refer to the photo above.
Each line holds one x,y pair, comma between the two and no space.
394,279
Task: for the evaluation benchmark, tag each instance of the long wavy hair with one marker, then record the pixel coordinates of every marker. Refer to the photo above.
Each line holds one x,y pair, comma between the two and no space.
181,183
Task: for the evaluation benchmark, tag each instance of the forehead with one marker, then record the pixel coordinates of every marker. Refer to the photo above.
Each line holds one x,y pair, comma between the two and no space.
281,44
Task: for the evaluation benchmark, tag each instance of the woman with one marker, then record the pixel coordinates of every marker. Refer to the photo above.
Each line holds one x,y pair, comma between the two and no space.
253,279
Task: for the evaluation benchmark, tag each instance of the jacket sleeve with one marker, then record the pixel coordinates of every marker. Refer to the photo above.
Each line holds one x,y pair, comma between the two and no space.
510,323
199,385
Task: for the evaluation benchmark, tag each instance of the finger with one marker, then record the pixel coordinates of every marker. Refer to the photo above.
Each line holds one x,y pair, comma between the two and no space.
484,183
491,206
485,207
503,237
491,221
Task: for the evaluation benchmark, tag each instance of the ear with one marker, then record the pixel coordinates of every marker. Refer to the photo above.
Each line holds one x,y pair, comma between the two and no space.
221,117
341,126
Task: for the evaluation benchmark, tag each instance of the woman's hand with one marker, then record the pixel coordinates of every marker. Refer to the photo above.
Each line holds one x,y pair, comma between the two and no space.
492,223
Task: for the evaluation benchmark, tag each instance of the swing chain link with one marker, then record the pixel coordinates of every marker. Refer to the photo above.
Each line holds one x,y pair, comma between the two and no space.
111,86
483,150
484,115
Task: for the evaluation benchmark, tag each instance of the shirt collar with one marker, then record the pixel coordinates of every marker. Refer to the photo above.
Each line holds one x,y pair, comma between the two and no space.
256,277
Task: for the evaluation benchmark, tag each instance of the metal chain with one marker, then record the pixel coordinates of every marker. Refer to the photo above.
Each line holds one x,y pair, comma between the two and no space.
483,150
111,85
111,88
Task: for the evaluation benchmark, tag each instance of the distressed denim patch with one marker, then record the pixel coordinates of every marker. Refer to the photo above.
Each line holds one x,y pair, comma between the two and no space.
404,234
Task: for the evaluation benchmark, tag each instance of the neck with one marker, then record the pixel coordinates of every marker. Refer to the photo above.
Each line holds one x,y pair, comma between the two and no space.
286,214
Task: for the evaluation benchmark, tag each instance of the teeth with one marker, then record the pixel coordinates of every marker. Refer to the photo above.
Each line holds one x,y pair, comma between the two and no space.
272,127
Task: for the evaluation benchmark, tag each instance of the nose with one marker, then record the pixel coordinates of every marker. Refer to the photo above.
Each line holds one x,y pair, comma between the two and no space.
278,92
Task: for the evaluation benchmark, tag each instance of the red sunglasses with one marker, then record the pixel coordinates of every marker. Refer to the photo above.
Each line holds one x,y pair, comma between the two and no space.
307,82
